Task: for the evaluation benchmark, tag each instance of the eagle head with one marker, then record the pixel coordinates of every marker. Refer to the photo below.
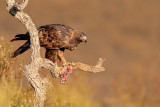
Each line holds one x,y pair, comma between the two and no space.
83,37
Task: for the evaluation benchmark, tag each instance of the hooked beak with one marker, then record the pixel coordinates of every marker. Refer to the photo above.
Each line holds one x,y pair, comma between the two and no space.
85,41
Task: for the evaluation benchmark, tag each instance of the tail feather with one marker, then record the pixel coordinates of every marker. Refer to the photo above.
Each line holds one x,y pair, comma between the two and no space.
21,49
21,37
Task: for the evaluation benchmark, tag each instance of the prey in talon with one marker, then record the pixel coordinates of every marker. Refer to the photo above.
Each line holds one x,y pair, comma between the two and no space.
55,38
65,71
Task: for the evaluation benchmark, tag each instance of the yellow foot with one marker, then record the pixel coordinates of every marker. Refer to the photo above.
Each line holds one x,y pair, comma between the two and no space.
64,64
59,69
70,63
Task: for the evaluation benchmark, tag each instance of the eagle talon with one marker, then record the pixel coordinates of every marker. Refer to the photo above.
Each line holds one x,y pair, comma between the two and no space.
55,38
65,71
70,63
59,69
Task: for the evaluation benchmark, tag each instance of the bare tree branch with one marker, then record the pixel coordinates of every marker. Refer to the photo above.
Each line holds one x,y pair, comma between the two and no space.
22,5
89,68
10,4
31,69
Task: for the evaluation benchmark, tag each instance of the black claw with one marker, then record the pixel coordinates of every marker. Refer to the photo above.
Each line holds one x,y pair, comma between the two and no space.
13,10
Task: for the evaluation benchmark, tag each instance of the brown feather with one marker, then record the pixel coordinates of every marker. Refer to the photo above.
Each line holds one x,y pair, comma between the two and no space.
52,55
54,37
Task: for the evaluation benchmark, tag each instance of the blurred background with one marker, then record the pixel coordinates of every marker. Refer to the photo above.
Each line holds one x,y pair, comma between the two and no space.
126,33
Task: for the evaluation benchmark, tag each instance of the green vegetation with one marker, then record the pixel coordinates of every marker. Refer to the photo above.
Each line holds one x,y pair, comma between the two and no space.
124,32
12,93
15,92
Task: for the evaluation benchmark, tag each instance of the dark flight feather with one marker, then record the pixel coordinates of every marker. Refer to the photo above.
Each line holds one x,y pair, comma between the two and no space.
20,37
21,49
52,37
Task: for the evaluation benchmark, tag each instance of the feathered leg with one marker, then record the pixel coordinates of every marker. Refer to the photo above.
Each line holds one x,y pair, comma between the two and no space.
52,55
61,56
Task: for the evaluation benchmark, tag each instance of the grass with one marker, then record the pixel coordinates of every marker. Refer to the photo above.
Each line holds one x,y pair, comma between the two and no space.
14,92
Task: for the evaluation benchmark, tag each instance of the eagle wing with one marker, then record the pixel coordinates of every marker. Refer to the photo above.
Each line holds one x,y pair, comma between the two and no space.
54,36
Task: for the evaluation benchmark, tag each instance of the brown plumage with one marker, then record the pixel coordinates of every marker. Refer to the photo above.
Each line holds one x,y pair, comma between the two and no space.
55,38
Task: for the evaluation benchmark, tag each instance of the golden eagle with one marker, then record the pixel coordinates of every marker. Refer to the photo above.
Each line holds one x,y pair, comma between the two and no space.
55,38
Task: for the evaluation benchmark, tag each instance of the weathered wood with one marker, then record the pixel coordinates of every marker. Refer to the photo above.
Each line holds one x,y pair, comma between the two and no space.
89,68
31,69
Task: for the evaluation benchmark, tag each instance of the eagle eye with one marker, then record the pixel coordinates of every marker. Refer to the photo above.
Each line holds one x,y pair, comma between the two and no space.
83,37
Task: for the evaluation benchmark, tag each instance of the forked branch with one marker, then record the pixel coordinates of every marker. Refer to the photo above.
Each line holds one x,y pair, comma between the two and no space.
31,69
